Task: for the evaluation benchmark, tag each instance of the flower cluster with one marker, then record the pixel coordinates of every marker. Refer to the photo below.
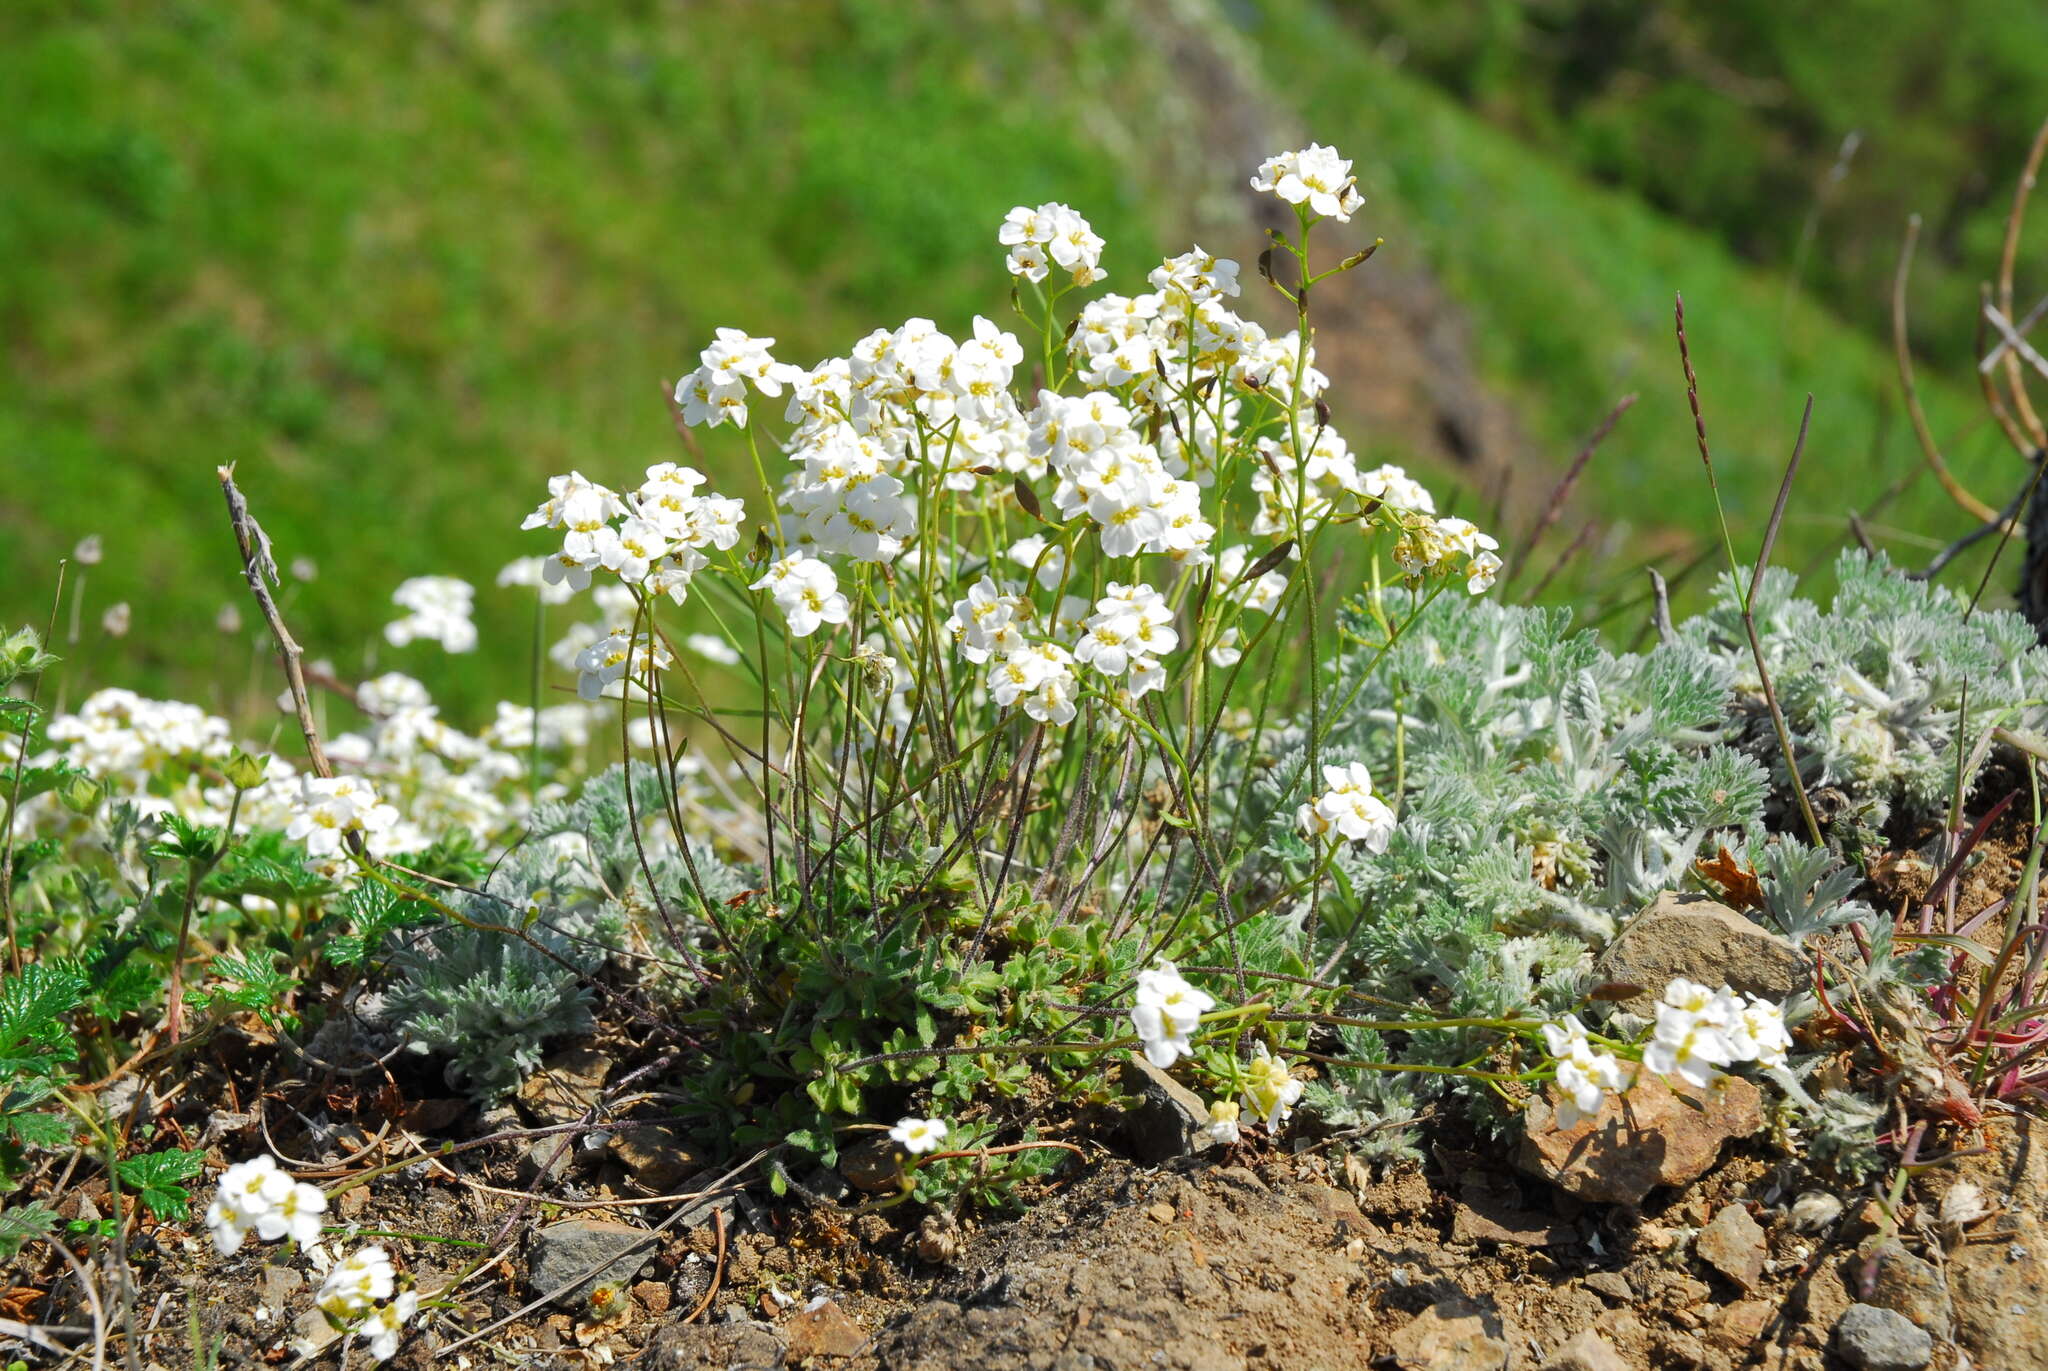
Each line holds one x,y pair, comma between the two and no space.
1439,547
257,1195
1585,1074
1167,1011
1699,1031
655,536
806,590
330,810
1348,808
1048,236
440,609
1315,177
351,1293
716,392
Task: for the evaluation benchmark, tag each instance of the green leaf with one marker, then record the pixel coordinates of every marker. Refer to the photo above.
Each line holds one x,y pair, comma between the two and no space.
22,1223
155,1177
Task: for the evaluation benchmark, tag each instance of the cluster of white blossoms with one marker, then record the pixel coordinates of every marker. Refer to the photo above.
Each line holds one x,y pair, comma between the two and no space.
1168,1010
716,392
655,536
1585,1074
1348,808
806,590
119,735
332,809
256,1195
439,611
1315,177
350,1297
1699,1031
1052,235
1439,547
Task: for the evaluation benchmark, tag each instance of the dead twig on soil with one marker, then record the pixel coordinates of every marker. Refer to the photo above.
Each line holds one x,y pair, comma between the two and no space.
717,1272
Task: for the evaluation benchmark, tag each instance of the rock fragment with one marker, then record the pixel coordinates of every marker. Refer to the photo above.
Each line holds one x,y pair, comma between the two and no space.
1873,1339
1733,1244
571,1258
1638,1141
1701,940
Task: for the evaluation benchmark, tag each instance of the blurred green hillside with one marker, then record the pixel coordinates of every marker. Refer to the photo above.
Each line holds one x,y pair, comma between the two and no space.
401,262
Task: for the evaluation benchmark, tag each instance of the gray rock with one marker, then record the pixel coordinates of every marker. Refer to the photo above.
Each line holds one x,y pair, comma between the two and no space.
1694,937
567,1086
1611,1285
1912,1286
1586,1352
566,1258
1168,1119
1873,1339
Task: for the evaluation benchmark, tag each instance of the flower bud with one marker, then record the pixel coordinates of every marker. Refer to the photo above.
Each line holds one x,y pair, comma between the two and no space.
245,772
80,793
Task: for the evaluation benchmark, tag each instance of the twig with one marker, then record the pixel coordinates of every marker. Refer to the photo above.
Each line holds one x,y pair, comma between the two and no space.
717,1272
1564,559
2022,191
2001,521
1928,448
257,564
1661,614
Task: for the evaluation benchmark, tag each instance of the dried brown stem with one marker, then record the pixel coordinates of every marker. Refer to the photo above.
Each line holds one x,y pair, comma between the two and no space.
1976,508
1555,508
257,566
2015,378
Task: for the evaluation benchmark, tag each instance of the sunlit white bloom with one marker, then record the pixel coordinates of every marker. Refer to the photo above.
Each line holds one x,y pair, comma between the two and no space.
1167,1011
1223,1126
248,1192
381,1330
612,659
1315,176
296,1216
356,1282
573,502
115,622
1348,806
1196,274
1269,1089
806,590
1585,1074
918,1136
440,609
329,810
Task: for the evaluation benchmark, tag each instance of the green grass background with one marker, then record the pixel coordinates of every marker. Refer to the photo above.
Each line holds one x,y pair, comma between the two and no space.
401,262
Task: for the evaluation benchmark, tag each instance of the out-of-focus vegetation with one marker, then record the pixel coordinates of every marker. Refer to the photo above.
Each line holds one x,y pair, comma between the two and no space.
400,262
1743,117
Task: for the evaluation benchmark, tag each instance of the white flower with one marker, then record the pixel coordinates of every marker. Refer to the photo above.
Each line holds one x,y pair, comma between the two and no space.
1315,176
614,657
380,1332
1168,1009
248,1191
806,590
1269,1089
1698,1032
1585,1074
1350,808
1048,564
918,1136
440,608
114,623
531,571
356,1282
1222,1126
296,1216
